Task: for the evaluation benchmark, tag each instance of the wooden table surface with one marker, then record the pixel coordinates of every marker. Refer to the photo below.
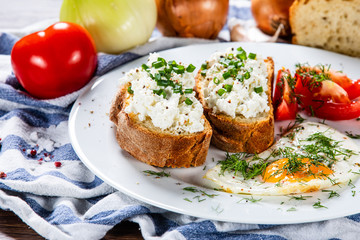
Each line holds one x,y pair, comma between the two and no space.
11,227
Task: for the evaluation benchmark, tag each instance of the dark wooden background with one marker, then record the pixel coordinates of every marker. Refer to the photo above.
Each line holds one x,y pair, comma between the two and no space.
11,227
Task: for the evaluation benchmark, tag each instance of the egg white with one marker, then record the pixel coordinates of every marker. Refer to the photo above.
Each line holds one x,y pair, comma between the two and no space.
344,171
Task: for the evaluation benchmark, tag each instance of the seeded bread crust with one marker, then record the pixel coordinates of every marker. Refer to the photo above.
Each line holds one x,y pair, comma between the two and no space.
154,146
240,134
329,24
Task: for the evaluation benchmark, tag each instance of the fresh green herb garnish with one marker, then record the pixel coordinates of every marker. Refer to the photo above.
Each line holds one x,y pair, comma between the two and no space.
353,193
299,119
160,92
190,68
218,210
221,91
186,199
216,80
164,74
195,190
252,199
351,184
318,204
237,163
317,75
189,90
351,135
252,55
302,198
226,75
228,87
292,209
258,89
199,199
158,174
331,193
130,90
188,101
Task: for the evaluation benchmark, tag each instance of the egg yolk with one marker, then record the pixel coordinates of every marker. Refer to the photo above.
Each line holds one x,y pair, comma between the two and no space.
277,171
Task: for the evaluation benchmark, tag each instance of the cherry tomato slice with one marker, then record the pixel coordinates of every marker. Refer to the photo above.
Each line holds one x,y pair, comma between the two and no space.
284,99
322,108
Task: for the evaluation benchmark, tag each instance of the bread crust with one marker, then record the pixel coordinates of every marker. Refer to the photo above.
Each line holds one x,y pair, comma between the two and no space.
239,134
153,146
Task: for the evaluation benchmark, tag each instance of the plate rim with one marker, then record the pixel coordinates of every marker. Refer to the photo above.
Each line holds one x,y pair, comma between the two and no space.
84,158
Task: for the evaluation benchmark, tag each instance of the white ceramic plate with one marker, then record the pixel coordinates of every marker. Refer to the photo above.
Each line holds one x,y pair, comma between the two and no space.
93,138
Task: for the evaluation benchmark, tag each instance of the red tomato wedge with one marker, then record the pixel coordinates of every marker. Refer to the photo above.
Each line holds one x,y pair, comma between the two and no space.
327,94
284,100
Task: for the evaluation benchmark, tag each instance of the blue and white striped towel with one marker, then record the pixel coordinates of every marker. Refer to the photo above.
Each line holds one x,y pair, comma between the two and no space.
70,202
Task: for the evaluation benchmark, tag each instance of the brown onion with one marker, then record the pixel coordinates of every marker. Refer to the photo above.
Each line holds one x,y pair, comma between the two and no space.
191,18
270,14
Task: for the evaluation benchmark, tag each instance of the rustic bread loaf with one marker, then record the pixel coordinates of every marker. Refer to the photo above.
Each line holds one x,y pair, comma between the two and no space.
329,24
240,134
156,145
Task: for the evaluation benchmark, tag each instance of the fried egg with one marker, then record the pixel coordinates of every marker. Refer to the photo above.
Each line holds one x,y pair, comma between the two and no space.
310,157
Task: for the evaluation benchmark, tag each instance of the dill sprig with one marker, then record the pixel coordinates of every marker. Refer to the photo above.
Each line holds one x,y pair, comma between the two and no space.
351,135
251,199
314,75
195,190
300,198
157,174
237,163
331,193
318,205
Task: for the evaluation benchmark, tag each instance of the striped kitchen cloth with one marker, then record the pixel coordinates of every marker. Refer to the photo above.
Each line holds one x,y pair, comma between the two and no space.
70,202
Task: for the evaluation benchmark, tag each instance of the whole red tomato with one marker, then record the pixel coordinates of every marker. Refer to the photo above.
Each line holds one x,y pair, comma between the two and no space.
54,62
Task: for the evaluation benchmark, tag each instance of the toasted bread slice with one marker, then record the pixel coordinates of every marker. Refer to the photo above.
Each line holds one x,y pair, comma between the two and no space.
153,145
240,134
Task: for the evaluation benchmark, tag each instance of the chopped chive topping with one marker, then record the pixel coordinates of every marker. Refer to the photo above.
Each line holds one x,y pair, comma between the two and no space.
157,77
172,63
204,66
226,75
216,80
164,83
241,55
145,67
130,90
240,77
203,72
221,91
190,68
188,101
158,64
258,89
178,88
247,75
252,55
228,87
189,90
160,92
179,69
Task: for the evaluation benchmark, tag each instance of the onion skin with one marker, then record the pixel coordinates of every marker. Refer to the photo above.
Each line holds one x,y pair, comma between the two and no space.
269,14
191,18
